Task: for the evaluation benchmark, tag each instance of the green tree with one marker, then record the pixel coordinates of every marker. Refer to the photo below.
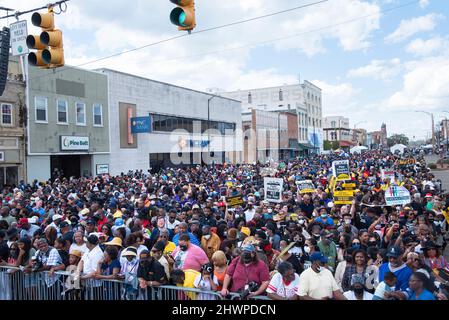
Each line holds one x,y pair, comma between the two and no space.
327,145
398,138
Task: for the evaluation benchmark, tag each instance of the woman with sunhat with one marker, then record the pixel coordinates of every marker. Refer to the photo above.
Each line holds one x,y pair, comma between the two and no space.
433,258
128,273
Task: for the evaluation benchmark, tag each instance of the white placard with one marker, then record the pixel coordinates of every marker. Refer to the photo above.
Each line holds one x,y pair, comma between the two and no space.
102,169
19,35
397,196
387,173
273,189
71,143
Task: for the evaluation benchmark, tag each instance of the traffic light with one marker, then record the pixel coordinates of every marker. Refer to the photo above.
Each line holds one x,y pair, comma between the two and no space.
183,16
4,57
50,51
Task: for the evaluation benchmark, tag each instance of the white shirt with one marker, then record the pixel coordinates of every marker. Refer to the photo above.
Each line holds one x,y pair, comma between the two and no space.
350,295
317,285
91,260
173,225
249,214
278,286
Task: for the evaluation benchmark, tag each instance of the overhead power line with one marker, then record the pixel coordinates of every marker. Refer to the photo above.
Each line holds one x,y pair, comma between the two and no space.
240,47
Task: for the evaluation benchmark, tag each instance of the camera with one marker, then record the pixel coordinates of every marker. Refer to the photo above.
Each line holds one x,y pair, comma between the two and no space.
36,265
251,287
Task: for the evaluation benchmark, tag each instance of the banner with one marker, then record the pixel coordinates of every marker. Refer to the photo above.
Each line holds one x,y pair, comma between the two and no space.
235,201
273,189
343,197
396,195
268,172
141,125
349,186
340,170
387,173
404,162
305,186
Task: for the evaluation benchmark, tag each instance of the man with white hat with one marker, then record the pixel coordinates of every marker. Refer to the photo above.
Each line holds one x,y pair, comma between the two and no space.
57,218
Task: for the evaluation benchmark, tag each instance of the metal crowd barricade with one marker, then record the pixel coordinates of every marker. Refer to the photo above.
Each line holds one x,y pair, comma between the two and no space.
17,285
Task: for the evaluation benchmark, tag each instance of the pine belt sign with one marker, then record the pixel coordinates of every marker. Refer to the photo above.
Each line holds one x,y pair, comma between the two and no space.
74,143
340,170
397,196
19,35
305,186
235,201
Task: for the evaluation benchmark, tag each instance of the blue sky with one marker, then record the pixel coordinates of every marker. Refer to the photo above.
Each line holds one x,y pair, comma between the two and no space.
378,68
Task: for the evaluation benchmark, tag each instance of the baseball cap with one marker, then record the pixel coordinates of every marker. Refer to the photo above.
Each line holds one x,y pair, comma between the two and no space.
119,222
246,231
56,217
249,248
22,221
195,206
63,224
130,251
394,251
90,221
33,220
76,253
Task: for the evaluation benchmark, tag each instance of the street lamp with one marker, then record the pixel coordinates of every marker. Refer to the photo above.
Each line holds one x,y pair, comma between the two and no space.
433,127
208,122
447,132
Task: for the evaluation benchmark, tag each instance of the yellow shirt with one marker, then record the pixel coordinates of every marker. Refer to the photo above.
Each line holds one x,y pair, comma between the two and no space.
169,248
189,280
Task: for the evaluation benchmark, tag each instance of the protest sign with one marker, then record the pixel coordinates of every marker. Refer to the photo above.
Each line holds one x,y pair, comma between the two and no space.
273,189
343,197
340,170
387,173
396,195
305,186
235,201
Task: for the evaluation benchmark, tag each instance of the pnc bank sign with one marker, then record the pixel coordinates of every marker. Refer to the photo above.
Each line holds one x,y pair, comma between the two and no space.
73,143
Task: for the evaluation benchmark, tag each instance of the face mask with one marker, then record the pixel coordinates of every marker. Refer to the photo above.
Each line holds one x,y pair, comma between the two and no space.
247,257
225,233
306,249
348,221
356,245
298,243
207,236
183,247
302,221
324,215
372,244
358,290
316,237
270,210
321,269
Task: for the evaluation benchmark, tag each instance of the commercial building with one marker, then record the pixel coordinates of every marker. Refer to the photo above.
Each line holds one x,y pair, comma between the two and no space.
261,139
359,137
304,100
336,128
67,123
12,126
180,126
378,139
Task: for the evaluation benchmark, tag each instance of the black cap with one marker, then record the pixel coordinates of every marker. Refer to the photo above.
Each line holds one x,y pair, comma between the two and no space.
90,221
159,246
11,233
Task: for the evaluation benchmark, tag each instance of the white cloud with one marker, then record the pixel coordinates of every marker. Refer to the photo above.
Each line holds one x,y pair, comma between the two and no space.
420,47
338,99
378,69
426,86
424,3
408,28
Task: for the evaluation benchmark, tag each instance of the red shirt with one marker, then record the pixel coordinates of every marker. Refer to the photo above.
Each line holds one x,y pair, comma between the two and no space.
242,275
100,223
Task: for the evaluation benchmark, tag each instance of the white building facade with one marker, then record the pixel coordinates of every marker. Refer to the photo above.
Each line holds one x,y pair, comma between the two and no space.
288,98
179,120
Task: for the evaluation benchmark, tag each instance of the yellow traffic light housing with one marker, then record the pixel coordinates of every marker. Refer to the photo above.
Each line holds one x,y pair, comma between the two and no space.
183,16
49,45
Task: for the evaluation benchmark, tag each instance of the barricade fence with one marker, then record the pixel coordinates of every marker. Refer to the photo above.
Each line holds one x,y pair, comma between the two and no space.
63,285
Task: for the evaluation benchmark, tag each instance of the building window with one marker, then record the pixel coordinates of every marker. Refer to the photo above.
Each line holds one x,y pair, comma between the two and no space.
61,109
281,96
80,113
250,99
333,124
98,114
41,109
7,114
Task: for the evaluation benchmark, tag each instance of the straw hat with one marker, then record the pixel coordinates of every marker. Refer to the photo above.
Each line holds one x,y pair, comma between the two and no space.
114,242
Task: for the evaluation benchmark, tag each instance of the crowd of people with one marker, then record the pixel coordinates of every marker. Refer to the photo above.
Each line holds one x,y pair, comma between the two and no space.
176,227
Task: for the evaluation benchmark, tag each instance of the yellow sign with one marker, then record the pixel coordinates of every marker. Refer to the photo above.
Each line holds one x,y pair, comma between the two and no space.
343,197
349,186
234,201
343,176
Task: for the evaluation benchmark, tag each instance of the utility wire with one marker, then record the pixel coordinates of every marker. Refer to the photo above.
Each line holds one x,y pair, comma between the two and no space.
186,34
19,13
240,47
289,36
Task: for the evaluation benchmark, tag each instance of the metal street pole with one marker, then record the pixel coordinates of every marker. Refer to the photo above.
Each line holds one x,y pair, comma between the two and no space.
279,136
447,132
208,124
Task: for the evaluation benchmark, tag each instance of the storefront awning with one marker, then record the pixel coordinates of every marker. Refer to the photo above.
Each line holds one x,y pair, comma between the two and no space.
306,146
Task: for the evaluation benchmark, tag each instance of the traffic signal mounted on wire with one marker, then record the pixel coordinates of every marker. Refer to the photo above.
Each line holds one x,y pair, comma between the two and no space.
50,51
183,15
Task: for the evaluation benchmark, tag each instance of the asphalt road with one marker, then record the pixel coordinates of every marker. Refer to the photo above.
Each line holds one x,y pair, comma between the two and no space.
444,176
